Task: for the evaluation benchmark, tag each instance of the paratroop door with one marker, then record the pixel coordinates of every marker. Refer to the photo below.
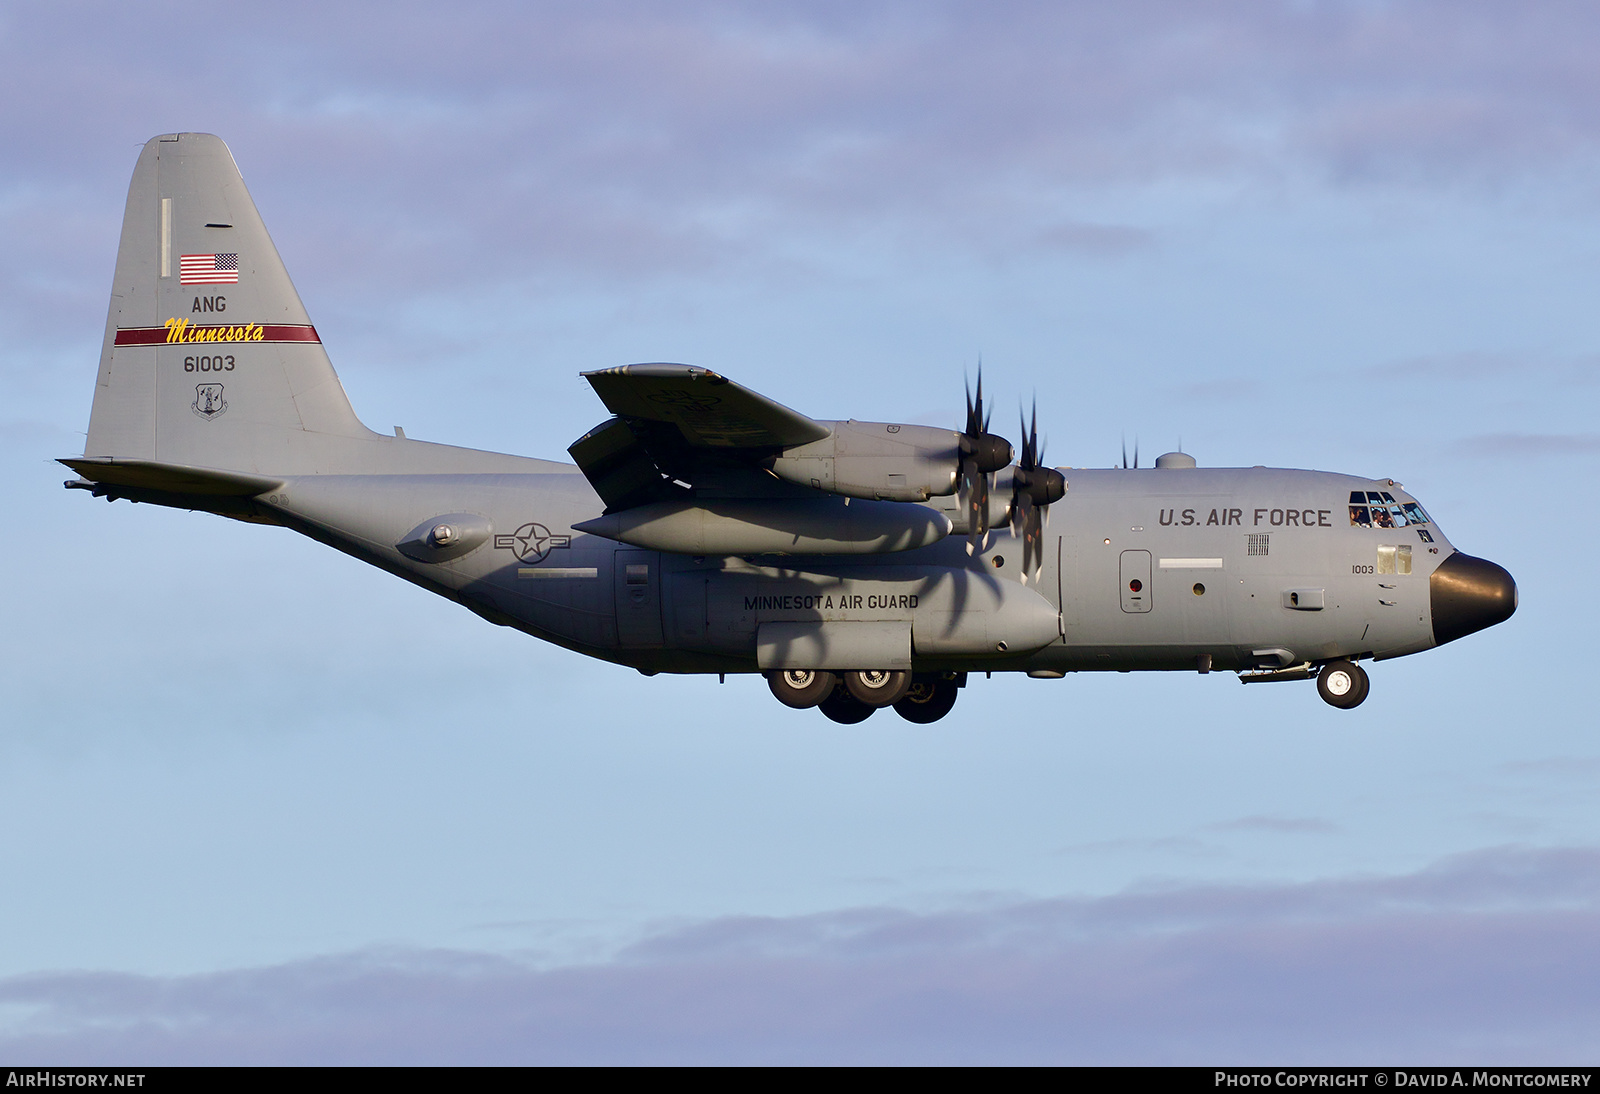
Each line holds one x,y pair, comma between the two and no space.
638,591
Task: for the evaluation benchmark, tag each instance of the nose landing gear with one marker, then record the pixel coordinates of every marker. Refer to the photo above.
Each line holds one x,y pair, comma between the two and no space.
1342,684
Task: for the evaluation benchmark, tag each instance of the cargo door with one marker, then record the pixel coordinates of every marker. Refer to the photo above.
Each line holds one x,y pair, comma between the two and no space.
638,592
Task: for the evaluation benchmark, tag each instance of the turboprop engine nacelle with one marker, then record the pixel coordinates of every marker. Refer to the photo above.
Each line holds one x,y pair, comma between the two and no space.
878,460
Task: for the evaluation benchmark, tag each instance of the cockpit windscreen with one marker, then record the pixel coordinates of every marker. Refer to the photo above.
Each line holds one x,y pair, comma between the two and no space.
1378,509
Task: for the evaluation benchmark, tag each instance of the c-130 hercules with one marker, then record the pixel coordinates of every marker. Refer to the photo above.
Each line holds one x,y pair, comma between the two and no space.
708,529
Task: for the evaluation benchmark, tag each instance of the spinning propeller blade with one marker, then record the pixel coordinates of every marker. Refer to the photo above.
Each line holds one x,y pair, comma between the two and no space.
982,454
1035,488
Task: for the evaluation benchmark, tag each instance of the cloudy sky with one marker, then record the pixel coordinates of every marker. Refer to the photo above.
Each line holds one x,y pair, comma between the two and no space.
260,803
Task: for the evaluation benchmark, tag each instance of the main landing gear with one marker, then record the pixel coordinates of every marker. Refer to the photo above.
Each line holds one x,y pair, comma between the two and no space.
801,689
852,697
1343,684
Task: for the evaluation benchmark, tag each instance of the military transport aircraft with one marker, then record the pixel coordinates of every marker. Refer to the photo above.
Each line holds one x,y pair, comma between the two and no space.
708,529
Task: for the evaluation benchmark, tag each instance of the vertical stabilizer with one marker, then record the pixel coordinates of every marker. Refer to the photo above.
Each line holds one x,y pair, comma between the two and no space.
209,358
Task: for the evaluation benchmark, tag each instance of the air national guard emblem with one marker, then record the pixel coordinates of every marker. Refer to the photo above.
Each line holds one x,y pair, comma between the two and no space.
208,401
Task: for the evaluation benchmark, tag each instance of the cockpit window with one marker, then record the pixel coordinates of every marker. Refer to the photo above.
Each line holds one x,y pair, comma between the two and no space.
1378,509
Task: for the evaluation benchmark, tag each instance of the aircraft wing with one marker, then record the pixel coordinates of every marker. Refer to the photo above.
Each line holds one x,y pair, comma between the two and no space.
681,431
707,410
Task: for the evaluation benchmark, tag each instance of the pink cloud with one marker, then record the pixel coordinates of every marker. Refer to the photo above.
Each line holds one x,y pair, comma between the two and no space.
1492,957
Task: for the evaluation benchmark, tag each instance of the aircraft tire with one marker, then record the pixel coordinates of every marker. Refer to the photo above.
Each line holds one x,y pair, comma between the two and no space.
1366,685
801,689
878,687
1343,684
929,699
844,708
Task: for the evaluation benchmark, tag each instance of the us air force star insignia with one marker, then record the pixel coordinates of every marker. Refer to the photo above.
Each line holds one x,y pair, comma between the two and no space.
532,542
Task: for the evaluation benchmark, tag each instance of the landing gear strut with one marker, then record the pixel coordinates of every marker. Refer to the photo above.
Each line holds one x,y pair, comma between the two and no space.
1343,684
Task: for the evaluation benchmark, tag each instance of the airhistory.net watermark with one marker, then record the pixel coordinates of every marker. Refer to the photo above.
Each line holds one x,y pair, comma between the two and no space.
37,1077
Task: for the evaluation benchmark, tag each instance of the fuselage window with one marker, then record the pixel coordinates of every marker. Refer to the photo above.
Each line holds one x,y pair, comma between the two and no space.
1394,559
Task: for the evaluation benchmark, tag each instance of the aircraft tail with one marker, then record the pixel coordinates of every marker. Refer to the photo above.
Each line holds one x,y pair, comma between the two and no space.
209,358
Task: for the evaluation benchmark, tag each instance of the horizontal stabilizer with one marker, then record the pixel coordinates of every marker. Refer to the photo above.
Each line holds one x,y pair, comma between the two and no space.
172,478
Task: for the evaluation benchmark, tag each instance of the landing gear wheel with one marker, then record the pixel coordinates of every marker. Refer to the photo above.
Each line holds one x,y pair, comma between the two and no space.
1343,684
928,699
1366,685
801,688
844,708
877,687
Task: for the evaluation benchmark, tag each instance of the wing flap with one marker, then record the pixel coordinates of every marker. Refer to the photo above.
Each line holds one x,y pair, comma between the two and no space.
619,468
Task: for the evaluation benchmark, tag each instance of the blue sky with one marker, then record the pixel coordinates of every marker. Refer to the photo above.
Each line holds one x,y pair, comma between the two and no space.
279,806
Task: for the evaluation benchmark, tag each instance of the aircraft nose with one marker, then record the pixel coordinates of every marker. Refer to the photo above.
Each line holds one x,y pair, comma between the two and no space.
1468,594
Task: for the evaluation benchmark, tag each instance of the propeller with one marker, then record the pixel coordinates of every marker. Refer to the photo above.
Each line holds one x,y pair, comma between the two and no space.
1135,453
982,454
1034,488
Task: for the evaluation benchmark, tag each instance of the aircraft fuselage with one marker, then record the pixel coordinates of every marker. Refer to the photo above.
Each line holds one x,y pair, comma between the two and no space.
1143,569
706,527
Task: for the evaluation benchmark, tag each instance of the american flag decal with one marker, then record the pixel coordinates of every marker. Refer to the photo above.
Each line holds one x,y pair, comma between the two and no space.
208,269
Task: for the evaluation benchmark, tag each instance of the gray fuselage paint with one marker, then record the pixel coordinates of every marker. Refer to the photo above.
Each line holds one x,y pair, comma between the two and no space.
1210,584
